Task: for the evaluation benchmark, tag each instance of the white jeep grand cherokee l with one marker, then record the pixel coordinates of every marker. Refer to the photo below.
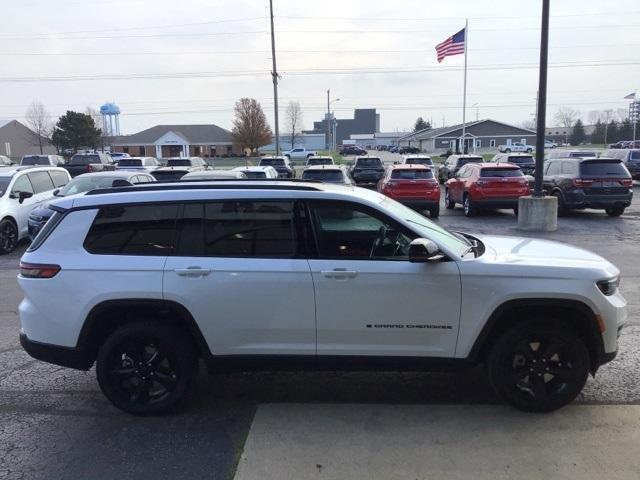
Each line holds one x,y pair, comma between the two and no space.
160,277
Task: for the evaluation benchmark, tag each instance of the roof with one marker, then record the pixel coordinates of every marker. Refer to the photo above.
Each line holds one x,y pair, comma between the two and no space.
325,167
4,122
417,155
410,166
192,133
10,171
252,168
436,132
111,174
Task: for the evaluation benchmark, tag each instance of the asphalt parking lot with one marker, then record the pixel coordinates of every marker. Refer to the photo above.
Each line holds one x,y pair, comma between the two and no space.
55,423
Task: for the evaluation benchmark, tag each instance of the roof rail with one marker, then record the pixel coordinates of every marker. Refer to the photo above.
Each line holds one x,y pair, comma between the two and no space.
186,185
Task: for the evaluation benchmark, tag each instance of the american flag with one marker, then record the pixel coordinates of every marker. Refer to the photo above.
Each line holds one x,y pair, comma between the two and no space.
453,45
631,96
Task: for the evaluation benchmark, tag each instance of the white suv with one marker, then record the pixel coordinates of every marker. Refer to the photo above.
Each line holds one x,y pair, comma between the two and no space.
21,190
273,275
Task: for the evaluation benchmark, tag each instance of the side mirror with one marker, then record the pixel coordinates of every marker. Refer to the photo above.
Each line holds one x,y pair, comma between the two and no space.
422,250
56,192
23,195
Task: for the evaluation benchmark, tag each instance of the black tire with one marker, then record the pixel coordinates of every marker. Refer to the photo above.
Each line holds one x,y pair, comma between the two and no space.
470,209
538,367
515,211
435,212
562,209
615,211
507,150
529,150
146,368
448,201
9,236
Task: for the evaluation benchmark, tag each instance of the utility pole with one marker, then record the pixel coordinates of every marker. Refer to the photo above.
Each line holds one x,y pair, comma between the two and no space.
274,74
328,142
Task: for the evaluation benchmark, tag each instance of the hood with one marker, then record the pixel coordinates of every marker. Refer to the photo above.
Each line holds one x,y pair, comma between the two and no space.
549,256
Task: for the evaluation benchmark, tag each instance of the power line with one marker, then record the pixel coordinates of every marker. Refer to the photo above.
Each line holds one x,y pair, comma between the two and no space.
424,19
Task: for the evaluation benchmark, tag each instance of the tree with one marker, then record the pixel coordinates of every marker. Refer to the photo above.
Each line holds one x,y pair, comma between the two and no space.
250,127
597,137
625,132
75,129
529,124
566,116
577,135
421,125
612,135
294,121
39,122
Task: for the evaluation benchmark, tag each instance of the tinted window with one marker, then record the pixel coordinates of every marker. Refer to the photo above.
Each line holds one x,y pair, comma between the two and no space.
250,174
130,162
420,161
501,172
634,156
553,168
133,230
329,176
4,183
41,181
176,162
238,229
582,154
369,162
346,230
520,160
407,174
84,159
59,178
569,168
35,160
320,161
22,184
603,169
168,175
265,162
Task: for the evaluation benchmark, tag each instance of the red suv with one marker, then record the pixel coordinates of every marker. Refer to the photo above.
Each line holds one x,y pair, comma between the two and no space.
413,185
486,185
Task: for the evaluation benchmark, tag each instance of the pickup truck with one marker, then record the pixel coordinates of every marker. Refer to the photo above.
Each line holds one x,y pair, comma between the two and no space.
89,162
515,147
299,153
367,170
178,167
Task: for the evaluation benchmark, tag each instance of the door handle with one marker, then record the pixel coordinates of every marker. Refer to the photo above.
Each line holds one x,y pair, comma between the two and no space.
339,273
192,272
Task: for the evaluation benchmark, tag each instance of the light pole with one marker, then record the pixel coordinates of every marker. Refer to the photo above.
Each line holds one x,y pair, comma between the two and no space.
329,139
477,111
274,74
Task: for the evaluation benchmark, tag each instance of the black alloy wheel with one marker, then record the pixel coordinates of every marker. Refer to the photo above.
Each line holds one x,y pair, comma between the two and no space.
146,368
538,368
8,236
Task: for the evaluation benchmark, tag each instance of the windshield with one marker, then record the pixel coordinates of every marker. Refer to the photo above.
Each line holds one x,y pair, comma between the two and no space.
603,169
464,161
179,162
35,160
406,174
320,161
79,185
329,176
274,162
369,162
426,228
501,172
84,159
420,161
521,160
130,162
582,154
255,174
635,156
4,183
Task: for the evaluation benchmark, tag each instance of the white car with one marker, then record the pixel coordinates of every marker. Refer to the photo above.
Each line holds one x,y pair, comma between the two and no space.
339,278
21,190
299,152
327,174
177,167
421,159
549,144
319,160
5,161
138,164
258,172
214,175
515,147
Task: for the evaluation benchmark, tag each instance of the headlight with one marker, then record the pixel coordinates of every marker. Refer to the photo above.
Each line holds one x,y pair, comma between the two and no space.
610,286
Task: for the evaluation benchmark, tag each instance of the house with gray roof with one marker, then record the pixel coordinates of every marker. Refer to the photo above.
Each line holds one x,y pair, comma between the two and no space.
479,135
164,141
16,140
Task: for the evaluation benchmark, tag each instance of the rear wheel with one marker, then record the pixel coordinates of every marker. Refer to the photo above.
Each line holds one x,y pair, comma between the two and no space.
562,209
8,236
146,368
435,212
515,211
538,368
470,209
508,150
614,211
448,201
529,150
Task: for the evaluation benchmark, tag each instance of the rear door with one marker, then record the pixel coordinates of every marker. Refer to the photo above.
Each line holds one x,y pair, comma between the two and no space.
239,270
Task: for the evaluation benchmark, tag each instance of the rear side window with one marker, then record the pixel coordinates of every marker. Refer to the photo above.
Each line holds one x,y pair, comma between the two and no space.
501,172
60,179
634,155
133,230
603,169
569,168
553,168
369,162
41,182
238,229
406,174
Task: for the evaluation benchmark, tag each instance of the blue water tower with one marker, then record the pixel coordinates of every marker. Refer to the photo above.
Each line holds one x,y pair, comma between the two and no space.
110,119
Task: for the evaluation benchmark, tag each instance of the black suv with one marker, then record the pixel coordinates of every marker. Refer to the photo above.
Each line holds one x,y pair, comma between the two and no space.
281,164
367,170
602,183
352,150
405,150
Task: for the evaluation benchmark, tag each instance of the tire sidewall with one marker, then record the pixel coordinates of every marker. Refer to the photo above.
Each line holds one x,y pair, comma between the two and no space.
13,246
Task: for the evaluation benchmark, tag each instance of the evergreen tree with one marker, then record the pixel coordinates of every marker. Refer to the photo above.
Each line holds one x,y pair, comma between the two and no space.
75,130
577,135
597,137
612,132
625,132
421,125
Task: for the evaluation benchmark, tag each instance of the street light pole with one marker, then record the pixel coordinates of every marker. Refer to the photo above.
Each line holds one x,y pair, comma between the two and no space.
274,74
328,140
542,99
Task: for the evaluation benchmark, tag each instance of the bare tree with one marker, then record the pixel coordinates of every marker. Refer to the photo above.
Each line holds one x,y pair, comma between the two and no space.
95,115
250,127
566,116
39,122
294,121
529,124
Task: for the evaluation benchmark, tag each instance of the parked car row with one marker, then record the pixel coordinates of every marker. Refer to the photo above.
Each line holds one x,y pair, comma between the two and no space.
626,144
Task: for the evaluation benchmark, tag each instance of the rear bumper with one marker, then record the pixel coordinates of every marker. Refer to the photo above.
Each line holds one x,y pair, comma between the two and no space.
63,356
422,203
581,200
361,178
496,202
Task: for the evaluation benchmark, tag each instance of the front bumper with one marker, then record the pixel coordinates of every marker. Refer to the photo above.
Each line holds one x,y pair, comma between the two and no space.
64,356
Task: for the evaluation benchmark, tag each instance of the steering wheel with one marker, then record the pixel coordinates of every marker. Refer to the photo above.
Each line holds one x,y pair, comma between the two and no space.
379,241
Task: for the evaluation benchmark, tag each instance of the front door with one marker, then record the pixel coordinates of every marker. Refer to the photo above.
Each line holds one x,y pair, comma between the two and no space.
370,300
22,209
236,270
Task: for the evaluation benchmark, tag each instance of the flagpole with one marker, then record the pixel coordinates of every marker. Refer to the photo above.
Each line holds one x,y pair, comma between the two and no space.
635,120
464,93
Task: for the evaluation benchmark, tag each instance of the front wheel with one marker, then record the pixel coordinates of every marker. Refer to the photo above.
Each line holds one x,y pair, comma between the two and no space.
614,211
8,236
146,368
562,209
469,208
538,368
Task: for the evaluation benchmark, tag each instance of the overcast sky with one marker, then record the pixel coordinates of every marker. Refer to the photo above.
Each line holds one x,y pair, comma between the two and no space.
209,53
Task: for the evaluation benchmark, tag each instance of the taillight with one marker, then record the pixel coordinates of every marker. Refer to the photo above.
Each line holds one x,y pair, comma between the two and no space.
626,182
37,270
582,182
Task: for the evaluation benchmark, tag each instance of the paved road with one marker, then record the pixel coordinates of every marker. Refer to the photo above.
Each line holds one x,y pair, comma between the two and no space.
54,422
